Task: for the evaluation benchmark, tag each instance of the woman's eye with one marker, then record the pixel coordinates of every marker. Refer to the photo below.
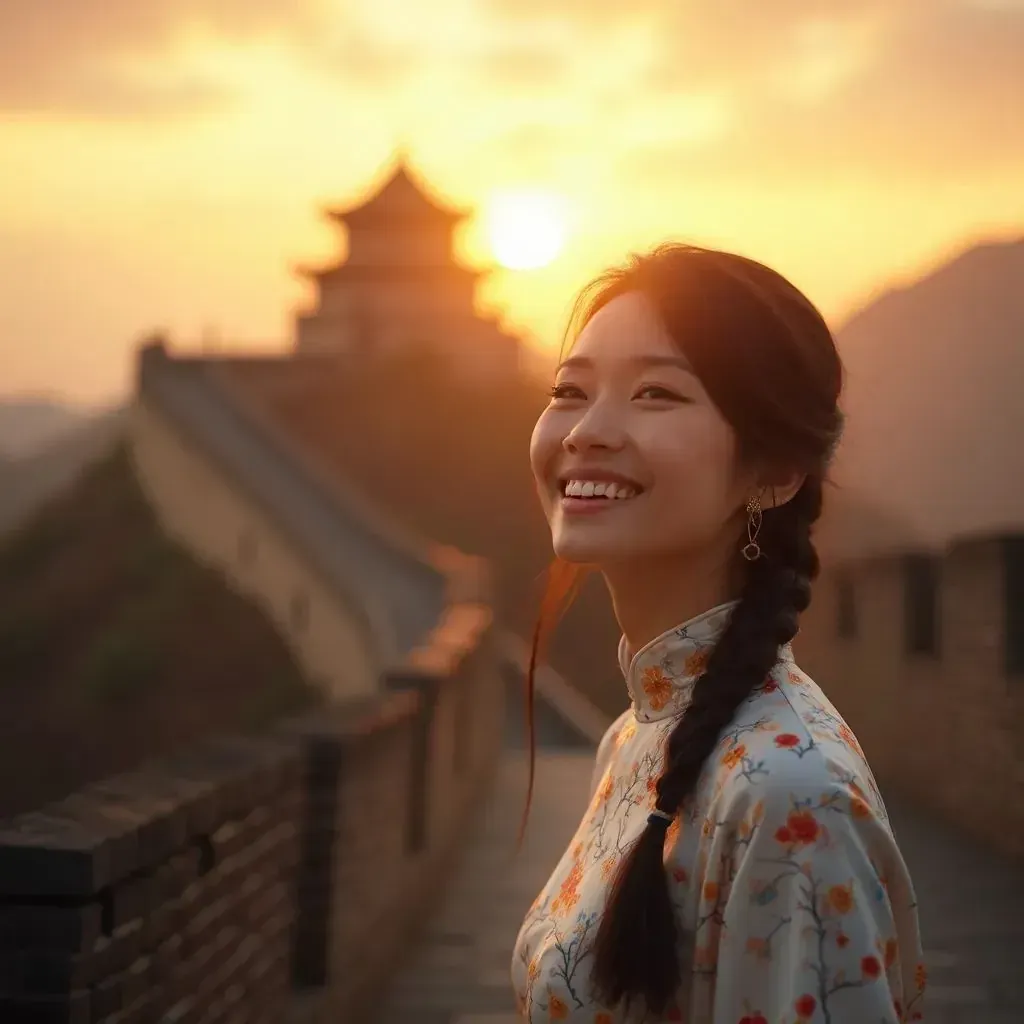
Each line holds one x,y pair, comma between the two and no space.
659,393
566,391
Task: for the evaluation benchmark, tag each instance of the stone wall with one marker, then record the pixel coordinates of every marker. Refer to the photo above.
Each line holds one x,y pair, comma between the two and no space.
926,669
199,505
391,784
160,895
255,880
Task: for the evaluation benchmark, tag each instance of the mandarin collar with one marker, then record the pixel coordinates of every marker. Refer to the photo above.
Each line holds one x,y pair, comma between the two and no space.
661,676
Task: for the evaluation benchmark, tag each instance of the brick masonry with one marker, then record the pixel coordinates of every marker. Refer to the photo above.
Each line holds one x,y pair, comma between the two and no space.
159,895
255,880
944,730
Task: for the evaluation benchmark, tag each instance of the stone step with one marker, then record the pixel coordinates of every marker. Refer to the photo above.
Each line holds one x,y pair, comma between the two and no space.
487,1018
957,995
454,1001
940,960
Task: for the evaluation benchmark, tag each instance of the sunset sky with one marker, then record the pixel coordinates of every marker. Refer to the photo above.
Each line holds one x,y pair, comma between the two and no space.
162,163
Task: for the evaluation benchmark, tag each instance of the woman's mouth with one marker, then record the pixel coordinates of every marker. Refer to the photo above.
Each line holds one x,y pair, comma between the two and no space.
582,495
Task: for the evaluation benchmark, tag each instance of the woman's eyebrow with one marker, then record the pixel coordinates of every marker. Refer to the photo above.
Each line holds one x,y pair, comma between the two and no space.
585,363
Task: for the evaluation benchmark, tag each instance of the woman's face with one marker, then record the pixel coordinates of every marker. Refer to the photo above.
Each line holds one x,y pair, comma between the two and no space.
631,458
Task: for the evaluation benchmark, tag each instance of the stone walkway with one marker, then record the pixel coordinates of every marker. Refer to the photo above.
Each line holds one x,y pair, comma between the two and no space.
460,974
972,922
972,909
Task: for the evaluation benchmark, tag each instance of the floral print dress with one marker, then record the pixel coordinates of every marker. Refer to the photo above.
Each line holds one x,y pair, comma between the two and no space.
794,901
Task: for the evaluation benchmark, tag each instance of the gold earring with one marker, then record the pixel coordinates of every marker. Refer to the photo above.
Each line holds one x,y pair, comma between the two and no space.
752,550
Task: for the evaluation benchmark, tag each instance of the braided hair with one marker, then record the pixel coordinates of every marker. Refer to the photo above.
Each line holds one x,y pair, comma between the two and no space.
768,362
644,962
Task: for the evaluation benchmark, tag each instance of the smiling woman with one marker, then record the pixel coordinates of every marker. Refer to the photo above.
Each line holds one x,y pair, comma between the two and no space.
526,230
735,863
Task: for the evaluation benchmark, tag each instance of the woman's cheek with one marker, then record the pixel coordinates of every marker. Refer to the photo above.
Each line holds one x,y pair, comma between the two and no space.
545,444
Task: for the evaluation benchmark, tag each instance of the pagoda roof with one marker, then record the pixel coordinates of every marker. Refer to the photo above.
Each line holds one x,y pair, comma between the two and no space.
403,198
391,272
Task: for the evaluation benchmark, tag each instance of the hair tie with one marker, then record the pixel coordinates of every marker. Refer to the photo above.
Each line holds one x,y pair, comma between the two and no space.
660,818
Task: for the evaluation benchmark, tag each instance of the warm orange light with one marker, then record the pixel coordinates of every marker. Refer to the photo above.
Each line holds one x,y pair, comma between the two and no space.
526,230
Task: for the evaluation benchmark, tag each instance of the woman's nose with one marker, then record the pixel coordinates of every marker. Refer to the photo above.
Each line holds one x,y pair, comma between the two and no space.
597,429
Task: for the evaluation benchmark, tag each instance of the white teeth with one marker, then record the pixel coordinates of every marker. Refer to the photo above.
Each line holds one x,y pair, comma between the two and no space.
599,489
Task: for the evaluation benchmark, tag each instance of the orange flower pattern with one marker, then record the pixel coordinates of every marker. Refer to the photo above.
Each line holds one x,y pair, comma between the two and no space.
657,688
794,900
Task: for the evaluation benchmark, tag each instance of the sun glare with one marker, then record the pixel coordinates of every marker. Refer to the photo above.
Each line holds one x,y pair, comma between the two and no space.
526,230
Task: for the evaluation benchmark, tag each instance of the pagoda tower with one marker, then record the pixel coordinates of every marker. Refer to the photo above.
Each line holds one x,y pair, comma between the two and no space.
400,285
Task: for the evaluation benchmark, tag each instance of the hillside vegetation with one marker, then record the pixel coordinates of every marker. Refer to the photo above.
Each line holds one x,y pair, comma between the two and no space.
116,645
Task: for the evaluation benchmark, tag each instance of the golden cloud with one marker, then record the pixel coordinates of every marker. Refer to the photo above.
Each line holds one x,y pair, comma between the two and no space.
64,55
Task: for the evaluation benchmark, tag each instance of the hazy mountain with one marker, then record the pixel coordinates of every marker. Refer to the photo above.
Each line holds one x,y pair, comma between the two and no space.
29,481
934,446
29,424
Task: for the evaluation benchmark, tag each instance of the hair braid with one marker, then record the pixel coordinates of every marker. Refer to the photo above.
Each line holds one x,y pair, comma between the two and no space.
776,591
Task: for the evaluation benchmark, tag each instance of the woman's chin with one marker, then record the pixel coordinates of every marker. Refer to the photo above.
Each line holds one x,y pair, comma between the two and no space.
574,545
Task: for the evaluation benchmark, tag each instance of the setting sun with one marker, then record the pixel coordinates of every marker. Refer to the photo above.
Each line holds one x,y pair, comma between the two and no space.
526,230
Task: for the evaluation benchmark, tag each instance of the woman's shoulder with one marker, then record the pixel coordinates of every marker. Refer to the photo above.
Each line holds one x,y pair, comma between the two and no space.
788,719
790,747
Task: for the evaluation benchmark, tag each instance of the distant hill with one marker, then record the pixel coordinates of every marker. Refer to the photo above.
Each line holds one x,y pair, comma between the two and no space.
28,425
54,465
117,646
935,420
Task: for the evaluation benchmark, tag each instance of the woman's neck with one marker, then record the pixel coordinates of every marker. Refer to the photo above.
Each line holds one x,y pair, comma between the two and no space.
650,596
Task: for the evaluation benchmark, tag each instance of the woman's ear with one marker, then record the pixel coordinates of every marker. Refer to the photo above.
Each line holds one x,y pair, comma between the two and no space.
779,489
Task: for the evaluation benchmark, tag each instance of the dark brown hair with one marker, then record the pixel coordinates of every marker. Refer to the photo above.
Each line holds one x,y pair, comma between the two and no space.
767,359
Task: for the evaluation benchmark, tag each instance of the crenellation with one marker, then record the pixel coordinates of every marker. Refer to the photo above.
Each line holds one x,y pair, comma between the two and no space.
959,704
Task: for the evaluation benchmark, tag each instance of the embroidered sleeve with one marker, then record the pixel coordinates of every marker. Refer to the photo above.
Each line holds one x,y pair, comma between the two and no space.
818,923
